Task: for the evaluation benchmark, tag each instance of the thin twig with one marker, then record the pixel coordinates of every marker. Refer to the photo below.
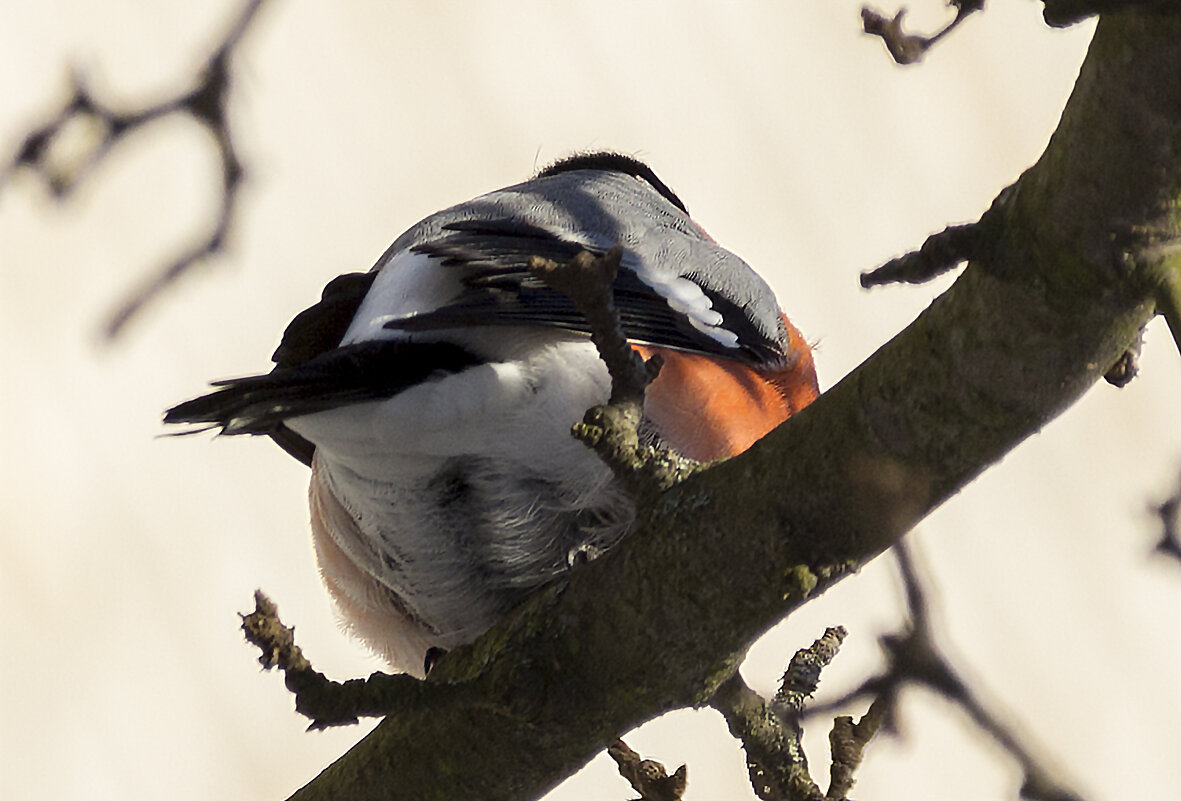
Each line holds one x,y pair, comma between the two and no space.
588,281
802,677
613,429
908,48
1127,366
325,702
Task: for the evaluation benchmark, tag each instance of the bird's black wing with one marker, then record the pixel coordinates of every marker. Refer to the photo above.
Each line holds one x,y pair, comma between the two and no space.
351,374
500,290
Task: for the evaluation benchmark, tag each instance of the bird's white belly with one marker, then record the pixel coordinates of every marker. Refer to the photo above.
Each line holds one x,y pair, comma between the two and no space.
464,493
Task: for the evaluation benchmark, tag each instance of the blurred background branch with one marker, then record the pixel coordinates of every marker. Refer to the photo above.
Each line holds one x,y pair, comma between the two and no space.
66,148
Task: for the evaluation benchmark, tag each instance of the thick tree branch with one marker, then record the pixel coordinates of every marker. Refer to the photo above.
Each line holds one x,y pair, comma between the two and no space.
661,621
958,244
587,280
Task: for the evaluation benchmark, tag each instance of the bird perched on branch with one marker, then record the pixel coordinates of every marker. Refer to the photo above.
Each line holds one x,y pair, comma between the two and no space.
433,396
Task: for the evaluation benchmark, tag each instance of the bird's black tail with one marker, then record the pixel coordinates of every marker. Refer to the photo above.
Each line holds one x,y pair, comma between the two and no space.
351,374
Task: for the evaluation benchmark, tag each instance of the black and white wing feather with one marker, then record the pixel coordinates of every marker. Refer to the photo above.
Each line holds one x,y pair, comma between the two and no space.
373,335
676,288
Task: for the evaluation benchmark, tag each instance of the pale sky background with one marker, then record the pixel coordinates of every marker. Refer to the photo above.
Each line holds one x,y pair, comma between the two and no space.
125,558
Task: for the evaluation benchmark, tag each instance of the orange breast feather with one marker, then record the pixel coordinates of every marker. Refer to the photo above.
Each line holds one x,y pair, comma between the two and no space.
708,408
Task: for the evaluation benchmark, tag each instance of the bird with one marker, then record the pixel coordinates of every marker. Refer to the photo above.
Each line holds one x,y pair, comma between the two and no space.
433,396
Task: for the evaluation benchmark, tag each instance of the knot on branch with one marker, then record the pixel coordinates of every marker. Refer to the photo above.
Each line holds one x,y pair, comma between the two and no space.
647,777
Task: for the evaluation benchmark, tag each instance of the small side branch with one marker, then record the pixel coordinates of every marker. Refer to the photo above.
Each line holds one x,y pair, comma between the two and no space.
941,252
325,702
847,741
775,757
802,677
206,103
908,48
612,429
772,736
588,281
648,777
1127,366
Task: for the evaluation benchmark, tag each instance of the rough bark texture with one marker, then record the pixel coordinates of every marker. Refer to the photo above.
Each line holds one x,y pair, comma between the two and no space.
661,621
